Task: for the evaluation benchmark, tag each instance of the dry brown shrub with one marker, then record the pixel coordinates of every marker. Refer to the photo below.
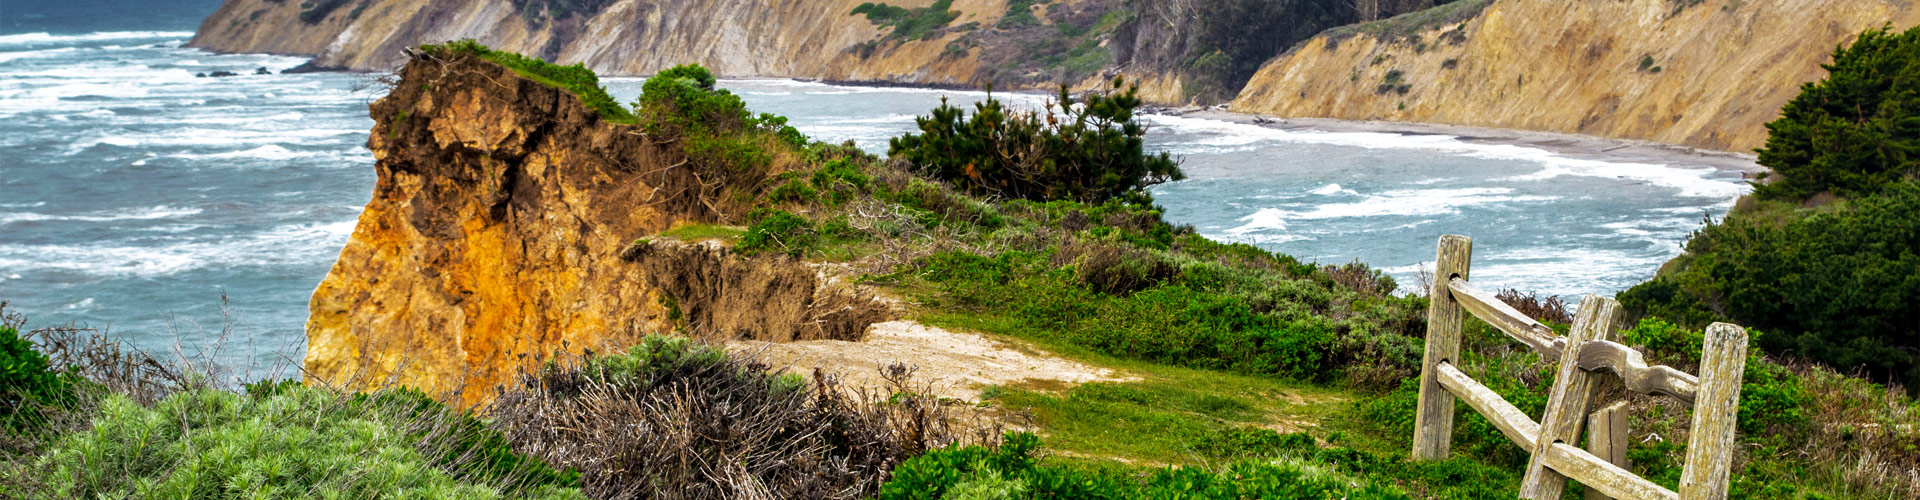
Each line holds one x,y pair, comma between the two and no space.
1551,309
1360,277
726,429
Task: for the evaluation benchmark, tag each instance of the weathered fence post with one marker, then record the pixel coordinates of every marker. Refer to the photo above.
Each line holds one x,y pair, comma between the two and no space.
1607,439
1567,404
1433,422
1710,447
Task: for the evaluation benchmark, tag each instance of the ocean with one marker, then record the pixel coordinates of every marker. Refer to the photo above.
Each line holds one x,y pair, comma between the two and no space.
172,208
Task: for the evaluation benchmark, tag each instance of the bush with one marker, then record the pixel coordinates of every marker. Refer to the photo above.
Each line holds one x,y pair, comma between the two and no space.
676,419
320,10
780,231
283,441
27,380
1854,132
1087,150
1834,286
909,24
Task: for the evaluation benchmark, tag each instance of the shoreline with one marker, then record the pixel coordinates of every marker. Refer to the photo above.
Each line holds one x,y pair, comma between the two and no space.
1570,145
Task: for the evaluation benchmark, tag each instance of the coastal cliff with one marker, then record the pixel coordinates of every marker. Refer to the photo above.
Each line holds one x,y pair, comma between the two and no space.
506,227
1707,74
1183,52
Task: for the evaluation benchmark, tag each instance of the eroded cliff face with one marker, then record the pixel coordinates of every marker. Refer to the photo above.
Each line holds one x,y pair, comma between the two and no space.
740,38
502,232
1714,72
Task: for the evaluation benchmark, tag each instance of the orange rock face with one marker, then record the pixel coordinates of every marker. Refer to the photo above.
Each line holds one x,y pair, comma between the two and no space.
496,235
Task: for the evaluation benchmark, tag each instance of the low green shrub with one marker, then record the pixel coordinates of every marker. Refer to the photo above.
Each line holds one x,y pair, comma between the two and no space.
782,232
27,380
909,24
287,440
579,80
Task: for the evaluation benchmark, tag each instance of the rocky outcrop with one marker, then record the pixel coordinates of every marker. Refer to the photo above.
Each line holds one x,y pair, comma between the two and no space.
1708,74
502,232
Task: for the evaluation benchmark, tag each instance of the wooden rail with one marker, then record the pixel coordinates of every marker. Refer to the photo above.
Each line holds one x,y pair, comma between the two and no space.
1589,352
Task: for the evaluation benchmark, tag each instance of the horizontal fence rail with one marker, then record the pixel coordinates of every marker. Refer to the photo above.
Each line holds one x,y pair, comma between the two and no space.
1589,358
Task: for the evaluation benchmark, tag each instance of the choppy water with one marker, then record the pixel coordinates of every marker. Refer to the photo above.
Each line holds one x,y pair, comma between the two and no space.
136,195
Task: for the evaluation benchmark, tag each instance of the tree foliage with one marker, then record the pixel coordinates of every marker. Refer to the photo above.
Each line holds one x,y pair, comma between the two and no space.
1854,132
1089,149
1838,286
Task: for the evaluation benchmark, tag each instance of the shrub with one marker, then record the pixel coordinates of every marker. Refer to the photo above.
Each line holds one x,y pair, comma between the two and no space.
676,419
1088,150
27,380
909,24
284,440
1834,286
780,231
1854,132
319,10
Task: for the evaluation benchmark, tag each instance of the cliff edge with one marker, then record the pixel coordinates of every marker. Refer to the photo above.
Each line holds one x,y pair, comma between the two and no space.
505,228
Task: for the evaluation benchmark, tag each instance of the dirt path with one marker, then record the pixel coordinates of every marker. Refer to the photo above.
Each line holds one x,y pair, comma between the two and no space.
958,364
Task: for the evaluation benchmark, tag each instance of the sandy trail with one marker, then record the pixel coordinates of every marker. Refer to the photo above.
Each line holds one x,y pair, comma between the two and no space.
958,364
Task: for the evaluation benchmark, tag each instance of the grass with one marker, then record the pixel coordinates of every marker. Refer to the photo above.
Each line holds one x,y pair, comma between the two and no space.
703,232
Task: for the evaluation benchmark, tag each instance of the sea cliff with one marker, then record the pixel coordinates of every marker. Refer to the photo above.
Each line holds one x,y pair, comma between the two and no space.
1707,74
506,228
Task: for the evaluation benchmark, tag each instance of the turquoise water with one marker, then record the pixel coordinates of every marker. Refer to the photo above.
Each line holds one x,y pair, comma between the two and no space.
136,196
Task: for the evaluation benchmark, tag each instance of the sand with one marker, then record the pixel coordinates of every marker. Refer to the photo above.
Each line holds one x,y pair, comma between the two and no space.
1570,145
959,364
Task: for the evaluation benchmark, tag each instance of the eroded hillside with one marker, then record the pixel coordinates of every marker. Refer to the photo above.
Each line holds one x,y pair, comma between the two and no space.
1184,51
1708,74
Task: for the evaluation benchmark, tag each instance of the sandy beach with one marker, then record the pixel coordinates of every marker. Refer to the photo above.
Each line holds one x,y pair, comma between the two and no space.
1573,145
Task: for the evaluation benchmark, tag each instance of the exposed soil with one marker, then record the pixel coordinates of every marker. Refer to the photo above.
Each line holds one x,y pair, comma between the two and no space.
958,364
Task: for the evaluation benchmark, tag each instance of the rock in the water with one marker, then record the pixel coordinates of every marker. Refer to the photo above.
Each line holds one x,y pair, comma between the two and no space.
222,74
262,71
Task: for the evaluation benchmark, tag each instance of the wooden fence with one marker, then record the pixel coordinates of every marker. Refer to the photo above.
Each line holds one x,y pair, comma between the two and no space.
1590,351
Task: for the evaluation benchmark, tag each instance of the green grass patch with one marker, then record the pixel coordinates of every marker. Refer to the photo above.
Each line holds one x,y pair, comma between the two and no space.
701,232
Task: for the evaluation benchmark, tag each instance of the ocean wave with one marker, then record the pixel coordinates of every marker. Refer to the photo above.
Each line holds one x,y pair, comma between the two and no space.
35,54
277,246
150,213
48,38
1409,202
1688,181
267,152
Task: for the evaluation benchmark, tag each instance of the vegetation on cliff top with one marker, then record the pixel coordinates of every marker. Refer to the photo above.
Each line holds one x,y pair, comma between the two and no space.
1826,257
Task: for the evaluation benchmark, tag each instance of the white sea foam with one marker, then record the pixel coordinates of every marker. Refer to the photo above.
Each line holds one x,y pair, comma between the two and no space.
278,246
1688,181
47,38
150,213
267,152
1264,219
35,54
1332,189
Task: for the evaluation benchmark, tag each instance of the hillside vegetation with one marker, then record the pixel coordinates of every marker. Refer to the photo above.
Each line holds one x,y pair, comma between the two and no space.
1259,375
